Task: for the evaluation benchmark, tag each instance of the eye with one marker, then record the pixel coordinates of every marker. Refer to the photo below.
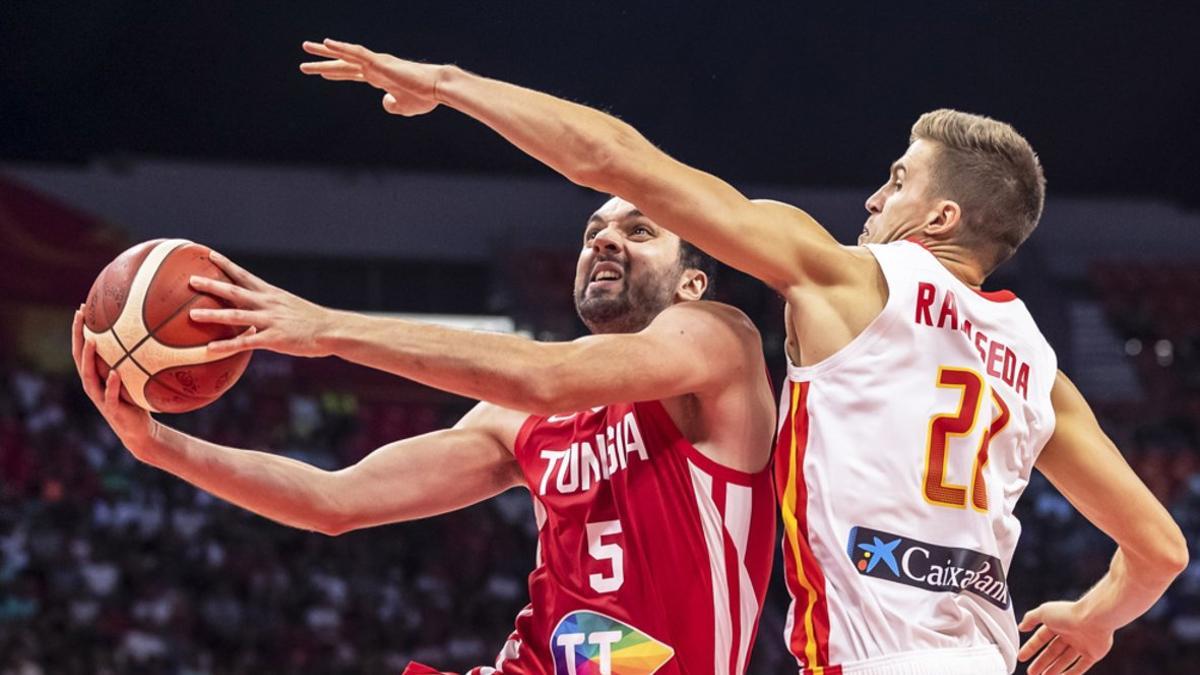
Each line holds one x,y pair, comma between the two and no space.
897,184
641,229
590,235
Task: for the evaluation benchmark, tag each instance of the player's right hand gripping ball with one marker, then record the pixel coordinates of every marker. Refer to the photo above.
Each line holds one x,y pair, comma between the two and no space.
137,313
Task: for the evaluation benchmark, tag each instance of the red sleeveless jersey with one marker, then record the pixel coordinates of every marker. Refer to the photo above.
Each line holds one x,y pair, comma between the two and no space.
651,557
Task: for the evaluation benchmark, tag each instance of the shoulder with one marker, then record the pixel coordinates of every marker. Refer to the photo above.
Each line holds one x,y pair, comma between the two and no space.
858,276
501,423
1065,397
722,320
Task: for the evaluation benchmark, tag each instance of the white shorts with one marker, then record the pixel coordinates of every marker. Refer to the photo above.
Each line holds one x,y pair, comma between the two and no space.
984,660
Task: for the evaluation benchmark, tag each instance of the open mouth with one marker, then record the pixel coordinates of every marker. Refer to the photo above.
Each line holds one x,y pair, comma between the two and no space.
606,273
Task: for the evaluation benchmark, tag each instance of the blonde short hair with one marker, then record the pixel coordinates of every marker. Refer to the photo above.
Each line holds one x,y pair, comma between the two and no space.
994,175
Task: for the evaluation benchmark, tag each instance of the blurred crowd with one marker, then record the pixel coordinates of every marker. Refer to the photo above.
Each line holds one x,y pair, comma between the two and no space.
108,566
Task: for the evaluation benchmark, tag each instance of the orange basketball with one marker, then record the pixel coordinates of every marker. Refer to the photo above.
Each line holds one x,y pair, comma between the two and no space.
137,313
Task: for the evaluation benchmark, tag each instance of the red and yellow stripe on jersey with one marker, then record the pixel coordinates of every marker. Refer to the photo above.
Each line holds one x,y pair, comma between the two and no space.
807,632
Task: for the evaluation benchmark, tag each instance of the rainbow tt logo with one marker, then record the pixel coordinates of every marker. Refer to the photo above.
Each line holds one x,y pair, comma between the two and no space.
590,643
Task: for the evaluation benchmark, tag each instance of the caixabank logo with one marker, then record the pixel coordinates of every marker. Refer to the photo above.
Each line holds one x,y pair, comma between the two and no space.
945,569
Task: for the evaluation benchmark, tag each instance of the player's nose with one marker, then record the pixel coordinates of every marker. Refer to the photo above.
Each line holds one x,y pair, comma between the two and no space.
607,240
874,203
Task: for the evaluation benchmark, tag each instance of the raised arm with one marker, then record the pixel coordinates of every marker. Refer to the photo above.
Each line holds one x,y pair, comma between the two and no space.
413,478
779,244
670,357
1084,464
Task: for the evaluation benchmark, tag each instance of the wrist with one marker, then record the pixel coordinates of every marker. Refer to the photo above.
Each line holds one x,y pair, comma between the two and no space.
144,443
445,77
1092,610
336,331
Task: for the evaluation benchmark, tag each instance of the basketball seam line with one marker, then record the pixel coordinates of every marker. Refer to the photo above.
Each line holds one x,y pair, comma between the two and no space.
154,277
128,354
174,313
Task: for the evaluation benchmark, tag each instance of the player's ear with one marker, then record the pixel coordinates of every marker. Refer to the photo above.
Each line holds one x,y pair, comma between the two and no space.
944,219
692,284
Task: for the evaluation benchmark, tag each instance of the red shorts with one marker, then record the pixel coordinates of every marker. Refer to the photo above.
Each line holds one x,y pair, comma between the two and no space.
415,668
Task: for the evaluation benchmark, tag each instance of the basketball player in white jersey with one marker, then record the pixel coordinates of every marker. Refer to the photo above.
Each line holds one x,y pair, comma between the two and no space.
917,405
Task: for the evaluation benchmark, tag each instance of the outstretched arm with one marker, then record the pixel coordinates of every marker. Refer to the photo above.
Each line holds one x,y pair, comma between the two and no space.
413,478
777,243
670,357
1084,464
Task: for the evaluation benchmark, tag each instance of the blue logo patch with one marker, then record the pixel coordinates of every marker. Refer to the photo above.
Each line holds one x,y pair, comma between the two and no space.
943,569
881,551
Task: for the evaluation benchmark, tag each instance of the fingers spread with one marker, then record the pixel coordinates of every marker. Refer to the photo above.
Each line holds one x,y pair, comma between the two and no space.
250,339
1034,644
1080,666
1048,657
227,317
331,69
1031,619
318,49
236,272
343,77
223,289
87,371
1064,662
112,389
77,337
348,50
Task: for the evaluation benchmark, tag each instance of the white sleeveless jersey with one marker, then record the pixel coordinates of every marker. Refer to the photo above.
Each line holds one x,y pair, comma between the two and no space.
900,459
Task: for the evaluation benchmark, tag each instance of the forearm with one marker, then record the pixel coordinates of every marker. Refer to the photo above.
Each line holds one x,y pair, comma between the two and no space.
774,243
282,489
507,370
577,141
1126,592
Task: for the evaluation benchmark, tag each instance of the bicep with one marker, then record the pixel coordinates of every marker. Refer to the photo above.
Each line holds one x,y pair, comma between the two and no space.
1088,469
776,243
689,348
433,473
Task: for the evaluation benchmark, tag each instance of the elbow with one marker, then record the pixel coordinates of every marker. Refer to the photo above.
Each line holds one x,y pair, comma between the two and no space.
332,531
333,525
1168,557
551,386
542,394
333,515
1174,558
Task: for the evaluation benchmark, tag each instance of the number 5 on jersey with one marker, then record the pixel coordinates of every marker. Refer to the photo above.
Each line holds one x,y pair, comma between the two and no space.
611,552
944,427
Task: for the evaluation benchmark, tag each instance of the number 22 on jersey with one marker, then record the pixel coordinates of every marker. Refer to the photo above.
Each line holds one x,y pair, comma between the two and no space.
974,390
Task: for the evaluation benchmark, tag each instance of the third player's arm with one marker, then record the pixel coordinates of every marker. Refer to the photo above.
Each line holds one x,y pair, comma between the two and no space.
1084,464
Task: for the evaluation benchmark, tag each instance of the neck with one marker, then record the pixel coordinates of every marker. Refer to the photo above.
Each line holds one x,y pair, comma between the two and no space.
956,259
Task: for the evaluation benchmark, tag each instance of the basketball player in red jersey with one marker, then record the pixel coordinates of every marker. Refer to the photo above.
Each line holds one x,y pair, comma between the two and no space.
916,406
647,458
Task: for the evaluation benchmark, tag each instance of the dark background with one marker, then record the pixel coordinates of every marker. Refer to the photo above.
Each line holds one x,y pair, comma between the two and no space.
108,566
792,92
